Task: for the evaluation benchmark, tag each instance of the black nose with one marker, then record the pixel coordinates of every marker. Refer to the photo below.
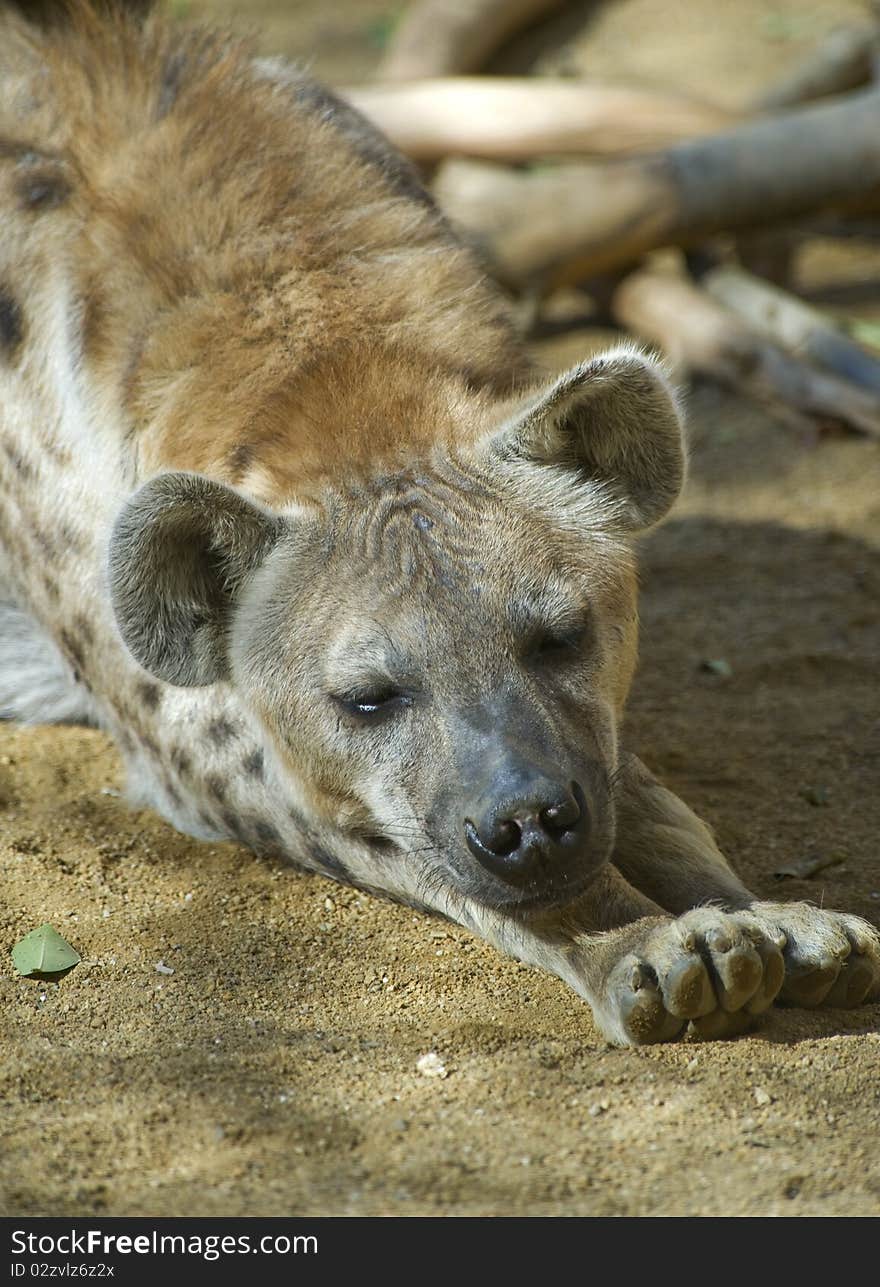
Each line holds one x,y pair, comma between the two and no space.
533,832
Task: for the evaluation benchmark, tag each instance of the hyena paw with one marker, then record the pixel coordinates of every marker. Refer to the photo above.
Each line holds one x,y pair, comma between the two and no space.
708,971
831,958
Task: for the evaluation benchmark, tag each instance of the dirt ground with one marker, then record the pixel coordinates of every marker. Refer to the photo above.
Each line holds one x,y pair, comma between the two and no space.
274,1072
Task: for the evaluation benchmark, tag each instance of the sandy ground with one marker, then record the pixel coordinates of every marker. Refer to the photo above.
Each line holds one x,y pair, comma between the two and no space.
274,1072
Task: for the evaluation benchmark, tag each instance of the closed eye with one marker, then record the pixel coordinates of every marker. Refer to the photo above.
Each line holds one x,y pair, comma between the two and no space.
373,702
552,644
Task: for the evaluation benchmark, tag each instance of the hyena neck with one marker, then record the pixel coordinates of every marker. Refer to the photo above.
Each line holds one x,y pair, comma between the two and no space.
278,420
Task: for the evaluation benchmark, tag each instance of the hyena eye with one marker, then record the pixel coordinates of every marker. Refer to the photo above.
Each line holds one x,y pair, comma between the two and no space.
550,644
371,703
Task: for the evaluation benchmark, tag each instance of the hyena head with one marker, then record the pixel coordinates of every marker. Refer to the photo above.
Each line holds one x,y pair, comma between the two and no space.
441,655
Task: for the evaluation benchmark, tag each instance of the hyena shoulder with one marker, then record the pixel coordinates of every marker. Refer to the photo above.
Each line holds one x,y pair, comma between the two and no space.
224,213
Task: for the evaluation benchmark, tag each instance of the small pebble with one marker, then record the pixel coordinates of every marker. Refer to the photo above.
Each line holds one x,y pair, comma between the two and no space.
761,1097
162,968
431,1065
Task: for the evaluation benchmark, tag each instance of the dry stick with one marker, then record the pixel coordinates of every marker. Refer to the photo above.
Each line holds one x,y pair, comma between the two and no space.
554,226
447,37
701,334
517,118
793,324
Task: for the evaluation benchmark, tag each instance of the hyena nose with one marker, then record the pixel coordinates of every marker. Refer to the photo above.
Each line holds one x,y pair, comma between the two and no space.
523,838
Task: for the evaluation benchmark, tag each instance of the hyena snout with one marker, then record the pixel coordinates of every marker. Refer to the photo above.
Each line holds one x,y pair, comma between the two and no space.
528,828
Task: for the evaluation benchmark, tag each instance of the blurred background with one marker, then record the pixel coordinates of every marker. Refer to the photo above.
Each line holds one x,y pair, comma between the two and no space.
705,177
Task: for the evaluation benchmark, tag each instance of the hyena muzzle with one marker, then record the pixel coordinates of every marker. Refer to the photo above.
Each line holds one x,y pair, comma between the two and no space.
285,511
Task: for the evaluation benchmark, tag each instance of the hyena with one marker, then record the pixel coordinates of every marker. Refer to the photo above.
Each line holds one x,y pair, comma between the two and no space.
287,513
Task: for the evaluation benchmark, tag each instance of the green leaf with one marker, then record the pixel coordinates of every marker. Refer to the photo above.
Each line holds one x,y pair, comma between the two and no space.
819,797
381,29
865,331
717,666
778,25
44,951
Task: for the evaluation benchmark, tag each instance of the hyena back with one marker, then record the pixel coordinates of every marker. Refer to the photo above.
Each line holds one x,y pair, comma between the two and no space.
286,513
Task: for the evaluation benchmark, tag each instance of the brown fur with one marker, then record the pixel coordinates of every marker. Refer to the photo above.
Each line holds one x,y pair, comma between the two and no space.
235,257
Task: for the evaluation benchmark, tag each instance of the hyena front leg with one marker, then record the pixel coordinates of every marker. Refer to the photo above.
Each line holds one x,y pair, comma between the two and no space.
831,958
648,977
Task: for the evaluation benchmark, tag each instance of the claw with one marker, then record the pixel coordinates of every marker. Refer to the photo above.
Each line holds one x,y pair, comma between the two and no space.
687,989
852,983
712,972
809,988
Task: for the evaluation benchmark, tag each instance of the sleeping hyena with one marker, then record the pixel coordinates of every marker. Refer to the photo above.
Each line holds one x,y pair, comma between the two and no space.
285,512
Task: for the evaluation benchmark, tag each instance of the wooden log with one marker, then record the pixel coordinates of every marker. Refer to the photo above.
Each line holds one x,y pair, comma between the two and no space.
844,61
701,334
519,118
803,330
560,225
451,37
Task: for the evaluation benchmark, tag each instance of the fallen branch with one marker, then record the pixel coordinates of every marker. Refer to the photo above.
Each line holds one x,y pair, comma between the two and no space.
516,119
450,37
702,335
790,322
844,61
561,225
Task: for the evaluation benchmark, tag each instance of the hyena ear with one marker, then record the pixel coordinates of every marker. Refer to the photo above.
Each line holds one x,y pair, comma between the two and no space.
181,549
615,420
